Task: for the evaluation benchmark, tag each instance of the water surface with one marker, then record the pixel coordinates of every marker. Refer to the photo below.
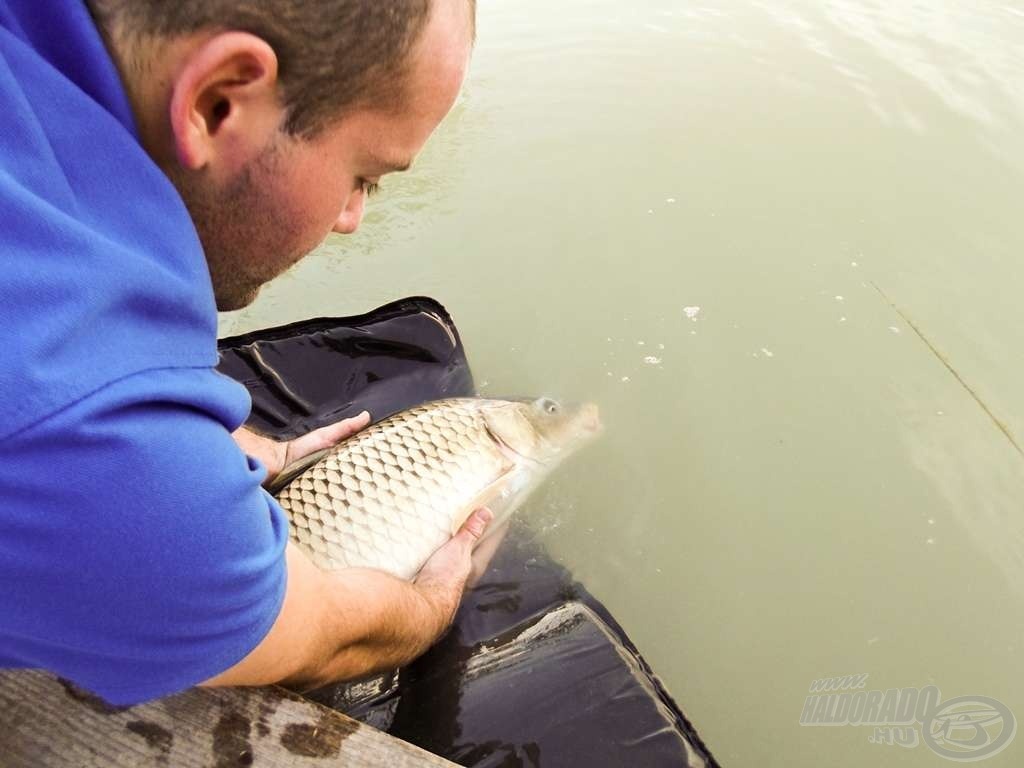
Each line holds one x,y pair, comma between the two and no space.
780,243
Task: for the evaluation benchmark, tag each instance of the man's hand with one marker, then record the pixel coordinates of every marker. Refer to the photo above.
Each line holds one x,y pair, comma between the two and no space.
277,455
442,578
341,625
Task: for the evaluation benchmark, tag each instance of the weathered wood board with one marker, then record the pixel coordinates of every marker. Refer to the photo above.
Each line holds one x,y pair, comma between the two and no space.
46,722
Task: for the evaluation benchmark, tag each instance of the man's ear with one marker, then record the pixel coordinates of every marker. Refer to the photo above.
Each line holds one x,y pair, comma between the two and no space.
225,105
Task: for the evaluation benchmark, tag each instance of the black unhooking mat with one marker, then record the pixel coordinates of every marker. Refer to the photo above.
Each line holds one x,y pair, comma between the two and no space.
535,671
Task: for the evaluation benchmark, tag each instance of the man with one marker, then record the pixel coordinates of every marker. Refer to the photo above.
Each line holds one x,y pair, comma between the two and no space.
158,160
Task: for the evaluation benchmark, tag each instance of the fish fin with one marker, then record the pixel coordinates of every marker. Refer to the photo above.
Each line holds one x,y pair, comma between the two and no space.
295,469
482,499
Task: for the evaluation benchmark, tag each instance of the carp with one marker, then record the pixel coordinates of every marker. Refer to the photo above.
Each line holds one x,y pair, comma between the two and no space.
389,496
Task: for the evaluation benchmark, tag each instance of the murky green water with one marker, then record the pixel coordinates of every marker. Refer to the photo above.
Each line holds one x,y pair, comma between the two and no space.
794,483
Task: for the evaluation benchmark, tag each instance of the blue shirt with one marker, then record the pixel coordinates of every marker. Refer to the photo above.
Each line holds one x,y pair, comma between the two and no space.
138,553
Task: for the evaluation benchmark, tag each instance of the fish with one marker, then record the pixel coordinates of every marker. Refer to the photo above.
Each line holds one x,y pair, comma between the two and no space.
392,494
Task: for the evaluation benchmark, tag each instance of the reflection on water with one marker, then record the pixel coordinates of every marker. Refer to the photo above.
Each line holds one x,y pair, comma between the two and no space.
798,487
970,55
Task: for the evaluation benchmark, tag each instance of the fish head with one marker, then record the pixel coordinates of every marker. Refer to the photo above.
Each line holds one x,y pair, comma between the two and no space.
543,429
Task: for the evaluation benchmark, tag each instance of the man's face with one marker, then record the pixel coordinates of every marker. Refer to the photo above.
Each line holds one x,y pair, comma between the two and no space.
284,204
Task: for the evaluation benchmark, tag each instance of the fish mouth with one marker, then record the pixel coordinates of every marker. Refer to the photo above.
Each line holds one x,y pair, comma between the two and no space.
590,420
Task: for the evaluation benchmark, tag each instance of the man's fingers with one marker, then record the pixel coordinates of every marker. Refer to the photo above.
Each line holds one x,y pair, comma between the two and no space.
325,437
475,526
451,563
332,433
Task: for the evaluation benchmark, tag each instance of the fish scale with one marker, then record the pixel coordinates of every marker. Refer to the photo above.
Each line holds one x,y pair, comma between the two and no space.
389,496
360,505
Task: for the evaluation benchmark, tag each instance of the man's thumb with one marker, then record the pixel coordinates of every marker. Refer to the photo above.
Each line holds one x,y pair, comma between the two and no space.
475,525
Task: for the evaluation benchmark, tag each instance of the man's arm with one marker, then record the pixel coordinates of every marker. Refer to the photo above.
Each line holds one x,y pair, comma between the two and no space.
346,624
187,558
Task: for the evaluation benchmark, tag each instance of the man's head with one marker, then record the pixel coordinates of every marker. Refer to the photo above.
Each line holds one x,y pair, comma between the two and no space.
275,119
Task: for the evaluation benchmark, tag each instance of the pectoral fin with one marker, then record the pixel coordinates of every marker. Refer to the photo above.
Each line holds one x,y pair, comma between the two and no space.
503,483
502,497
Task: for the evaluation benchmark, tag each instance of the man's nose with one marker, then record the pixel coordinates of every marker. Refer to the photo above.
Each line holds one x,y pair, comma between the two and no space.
350,218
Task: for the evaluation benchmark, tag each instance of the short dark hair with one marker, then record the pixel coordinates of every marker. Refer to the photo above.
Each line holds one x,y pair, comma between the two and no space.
332,54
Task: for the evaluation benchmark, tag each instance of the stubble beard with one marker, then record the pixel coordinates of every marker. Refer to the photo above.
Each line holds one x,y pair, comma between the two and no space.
246,239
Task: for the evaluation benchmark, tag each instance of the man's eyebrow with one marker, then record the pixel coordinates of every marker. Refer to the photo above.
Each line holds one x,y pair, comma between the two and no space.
392,166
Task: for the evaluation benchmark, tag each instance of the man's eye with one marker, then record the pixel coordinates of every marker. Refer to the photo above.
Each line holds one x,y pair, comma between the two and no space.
370,188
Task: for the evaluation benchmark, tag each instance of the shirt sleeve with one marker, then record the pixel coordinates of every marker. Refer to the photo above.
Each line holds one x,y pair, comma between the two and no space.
139,554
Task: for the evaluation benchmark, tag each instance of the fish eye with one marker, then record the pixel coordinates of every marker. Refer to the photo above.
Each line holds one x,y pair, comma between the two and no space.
548,405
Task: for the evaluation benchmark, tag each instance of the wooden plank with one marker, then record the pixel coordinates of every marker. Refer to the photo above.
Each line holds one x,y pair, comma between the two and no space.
49,722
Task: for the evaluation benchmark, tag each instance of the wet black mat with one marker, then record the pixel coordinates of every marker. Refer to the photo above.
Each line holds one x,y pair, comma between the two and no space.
535,671
309,374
